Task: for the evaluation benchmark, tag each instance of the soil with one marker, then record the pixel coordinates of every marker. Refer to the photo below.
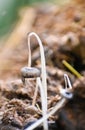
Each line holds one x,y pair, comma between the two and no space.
62,31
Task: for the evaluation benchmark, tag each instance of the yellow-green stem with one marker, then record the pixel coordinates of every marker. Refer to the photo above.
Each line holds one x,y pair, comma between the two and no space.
75,72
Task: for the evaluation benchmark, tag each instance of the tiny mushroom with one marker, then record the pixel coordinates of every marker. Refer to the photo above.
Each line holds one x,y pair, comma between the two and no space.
40,76
67,91
41,82
29,72
34,73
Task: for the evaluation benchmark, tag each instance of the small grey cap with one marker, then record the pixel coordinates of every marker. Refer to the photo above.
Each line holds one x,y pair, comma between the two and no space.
30,72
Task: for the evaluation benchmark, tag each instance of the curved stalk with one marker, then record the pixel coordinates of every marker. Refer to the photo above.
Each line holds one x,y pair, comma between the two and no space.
43,74
67,82
43,66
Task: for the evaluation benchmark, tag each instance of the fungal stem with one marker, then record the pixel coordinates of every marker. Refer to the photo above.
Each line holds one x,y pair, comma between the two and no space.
67,81
43,74
43,66
29,52
35,94
74,71
43,103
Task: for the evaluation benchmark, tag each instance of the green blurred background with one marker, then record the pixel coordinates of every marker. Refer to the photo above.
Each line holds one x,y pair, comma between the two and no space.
9,12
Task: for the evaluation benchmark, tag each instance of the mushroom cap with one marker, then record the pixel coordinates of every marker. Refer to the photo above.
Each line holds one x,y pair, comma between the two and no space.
66,93
30,72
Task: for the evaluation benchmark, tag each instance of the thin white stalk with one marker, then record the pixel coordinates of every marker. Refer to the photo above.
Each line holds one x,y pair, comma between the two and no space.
56,108
43,66
65,78
67,81
29,65
35,94
29,52
43,89
45,123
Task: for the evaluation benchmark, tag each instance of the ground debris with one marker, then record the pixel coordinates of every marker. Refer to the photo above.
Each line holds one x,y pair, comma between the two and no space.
62,32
